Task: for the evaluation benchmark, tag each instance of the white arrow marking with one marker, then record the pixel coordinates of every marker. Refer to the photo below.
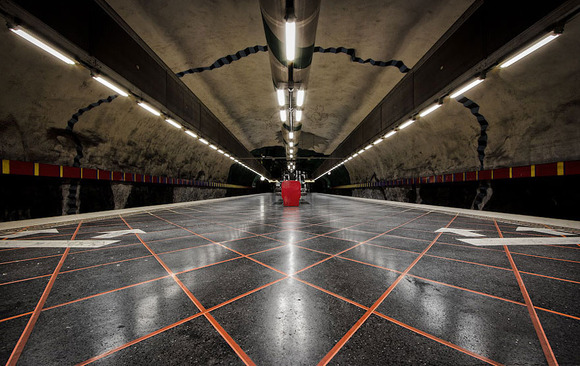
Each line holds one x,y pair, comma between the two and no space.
114,234
55,243
462,232
543,231
30,232
521,241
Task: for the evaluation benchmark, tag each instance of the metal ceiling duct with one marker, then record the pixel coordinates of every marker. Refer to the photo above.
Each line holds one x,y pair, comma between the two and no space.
290,76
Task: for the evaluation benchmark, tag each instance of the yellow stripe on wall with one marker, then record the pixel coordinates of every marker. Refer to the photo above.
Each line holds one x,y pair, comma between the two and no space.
510,172
36,170
60,171
5,166
533,171
560,168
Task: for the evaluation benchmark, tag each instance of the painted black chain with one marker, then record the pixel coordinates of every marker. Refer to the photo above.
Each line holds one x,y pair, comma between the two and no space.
225,60
482,140
352,53
72,193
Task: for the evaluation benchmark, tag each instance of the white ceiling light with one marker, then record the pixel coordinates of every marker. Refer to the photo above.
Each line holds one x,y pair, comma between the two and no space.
111,86
406,124
390,134
361,151
37,42
149,109
430,109
213,147
231,157
227,155
290,40
281,99
466,88
191,133
298,115
291,144
221,151
378,141
541,42
290,135
291,156
283,115
204,141
355,155
300,98
173,123
291,151
349,159
368,147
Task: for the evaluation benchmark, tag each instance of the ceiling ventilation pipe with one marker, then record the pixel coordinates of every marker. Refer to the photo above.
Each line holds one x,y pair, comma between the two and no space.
290,27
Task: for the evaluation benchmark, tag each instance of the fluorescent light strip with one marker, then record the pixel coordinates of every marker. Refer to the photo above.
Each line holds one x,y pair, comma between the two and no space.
37,42
368,147
290,40
291,144
361,151
213,147
378,141
283,115
204,141
111,86
290,135
406,124
291,151
173,123
149,109
221,151
466,88
281,99
429,110
300,98
298,115
390,134
542,42
191,133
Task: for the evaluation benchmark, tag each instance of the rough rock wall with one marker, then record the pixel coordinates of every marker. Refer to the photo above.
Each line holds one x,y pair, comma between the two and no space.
532,107
39,96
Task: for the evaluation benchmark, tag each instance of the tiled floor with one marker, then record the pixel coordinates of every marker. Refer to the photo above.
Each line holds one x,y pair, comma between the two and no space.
249,281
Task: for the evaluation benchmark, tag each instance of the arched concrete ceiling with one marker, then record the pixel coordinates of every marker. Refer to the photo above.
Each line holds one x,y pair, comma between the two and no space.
188,34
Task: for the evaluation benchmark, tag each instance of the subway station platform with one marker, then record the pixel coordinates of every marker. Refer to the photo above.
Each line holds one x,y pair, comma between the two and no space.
334,281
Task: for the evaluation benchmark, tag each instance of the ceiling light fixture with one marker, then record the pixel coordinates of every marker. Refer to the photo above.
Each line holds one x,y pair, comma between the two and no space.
290,135
149,109
281,99
173,123
283,115
111,86
378,141
213,147
37,42
361,151
390,134
221,151
406,124
291,151
541,42
290,40
300,98
430,109
204,141
466,88
298,115
368,147
191,133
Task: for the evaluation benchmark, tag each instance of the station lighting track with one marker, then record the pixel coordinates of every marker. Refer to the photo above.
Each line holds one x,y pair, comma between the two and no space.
112,85
537,44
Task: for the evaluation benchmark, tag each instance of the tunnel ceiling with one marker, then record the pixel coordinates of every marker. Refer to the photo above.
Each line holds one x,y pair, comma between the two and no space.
188,34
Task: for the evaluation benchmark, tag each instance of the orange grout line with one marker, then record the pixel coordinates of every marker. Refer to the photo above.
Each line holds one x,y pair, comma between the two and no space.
367,314
243,356
437,339
550,358
17,351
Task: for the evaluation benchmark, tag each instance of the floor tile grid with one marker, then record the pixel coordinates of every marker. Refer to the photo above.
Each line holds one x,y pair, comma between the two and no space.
243,356
446,284
330,355
19,347
550,358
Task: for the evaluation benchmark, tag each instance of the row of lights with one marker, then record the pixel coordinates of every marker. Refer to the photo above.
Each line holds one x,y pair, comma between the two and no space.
37,42
536,45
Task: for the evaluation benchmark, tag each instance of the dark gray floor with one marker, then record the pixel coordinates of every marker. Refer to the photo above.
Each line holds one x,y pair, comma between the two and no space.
249,281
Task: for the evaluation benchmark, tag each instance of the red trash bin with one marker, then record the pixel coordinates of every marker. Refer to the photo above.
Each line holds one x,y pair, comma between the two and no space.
291,192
